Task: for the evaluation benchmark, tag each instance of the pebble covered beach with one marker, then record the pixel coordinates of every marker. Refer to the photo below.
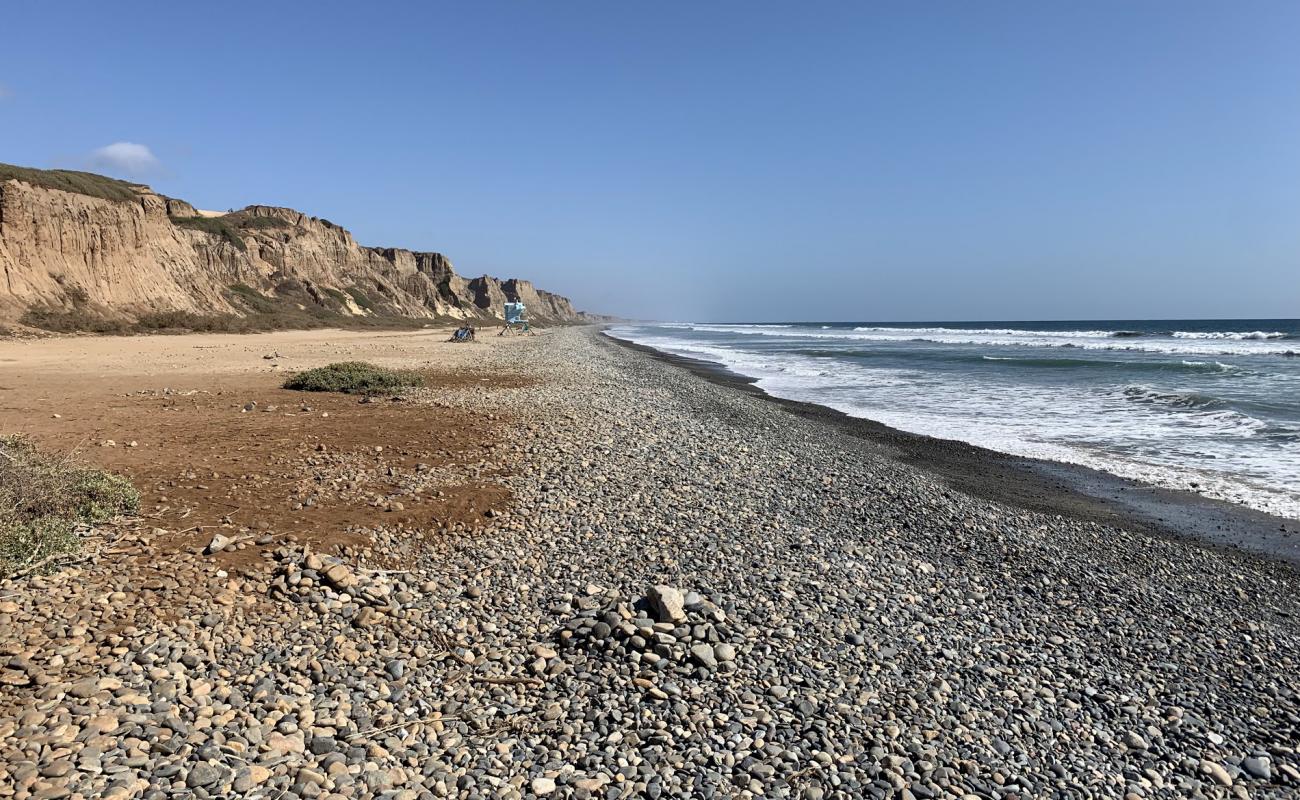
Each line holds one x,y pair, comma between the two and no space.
692,593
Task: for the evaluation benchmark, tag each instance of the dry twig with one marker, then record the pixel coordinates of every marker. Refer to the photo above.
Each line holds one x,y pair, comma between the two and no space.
507,681
421,721
66,558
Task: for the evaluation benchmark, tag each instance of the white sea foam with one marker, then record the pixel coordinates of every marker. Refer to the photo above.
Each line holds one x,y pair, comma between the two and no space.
729,326
789,369
1218,366
991,332
1011,337
1247,335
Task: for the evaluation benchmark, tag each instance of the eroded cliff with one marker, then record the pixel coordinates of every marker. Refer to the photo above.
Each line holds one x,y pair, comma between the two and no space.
79,241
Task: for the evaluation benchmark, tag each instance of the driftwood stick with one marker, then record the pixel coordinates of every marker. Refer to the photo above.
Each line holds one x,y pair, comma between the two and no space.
386,729
506,681
70,559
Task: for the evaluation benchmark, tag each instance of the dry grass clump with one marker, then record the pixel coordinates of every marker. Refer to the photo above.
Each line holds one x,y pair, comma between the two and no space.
353,377
45,498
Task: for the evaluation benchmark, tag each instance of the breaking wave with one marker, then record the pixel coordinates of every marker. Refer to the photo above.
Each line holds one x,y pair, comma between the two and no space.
1239,335
1017,337
1147,394
1064,362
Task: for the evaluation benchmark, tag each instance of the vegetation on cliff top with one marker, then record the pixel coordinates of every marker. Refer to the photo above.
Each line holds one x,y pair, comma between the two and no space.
353,377
87,183
230,227
215,226
45,498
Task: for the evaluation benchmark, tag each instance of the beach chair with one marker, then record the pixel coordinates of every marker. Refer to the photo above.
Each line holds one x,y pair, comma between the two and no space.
515,322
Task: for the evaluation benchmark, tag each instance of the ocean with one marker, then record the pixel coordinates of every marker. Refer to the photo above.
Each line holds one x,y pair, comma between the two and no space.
1211,406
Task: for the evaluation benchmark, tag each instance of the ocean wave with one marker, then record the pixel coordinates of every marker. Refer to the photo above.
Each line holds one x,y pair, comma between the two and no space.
1075,334
990,332
1147,394
787,369
927,331
1281,434
730,325
1238,335
1204,411
1099,363
1200,411
1211,366
1011,338
1083,334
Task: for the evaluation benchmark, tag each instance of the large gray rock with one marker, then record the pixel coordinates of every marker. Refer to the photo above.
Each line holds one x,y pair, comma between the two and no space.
704,656
217,543
1258,767
341,578
668,603
203,775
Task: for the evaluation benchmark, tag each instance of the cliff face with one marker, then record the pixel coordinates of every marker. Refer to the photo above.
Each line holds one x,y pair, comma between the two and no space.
149,254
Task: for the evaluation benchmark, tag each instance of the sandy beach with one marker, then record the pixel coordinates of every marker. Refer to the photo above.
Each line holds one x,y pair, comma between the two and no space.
568,568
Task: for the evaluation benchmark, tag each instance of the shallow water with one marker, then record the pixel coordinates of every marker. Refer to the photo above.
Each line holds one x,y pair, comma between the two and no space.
1207,405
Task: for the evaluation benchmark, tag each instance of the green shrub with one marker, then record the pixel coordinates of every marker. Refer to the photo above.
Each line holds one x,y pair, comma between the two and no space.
360,298
230,226
189,321
250,298
100,495
87,183
79,319
336,296
353,377
216,226
239,219
77,294
43,499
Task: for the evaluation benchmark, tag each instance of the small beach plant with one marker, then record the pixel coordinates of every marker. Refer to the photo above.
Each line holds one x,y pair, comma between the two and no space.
45,500
353,377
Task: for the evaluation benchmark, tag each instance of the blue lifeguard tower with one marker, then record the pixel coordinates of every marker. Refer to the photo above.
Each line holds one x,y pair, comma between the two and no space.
515,322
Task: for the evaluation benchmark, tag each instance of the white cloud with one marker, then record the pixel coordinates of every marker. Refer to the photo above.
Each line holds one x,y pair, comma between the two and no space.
128,158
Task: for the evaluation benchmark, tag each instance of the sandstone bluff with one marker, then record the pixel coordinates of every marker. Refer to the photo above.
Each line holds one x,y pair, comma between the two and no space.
71,240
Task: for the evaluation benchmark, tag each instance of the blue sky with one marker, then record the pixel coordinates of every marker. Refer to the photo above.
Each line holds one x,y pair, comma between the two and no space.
760,160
